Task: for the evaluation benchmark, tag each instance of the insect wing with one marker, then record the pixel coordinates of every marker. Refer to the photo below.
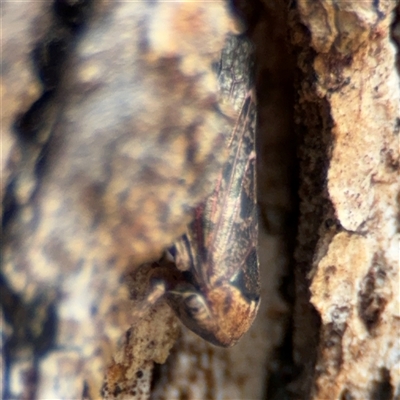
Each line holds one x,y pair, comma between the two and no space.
219,295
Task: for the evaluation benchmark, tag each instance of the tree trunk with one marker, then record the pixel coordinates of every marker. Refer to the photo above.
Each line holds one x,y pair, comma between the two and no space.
112,132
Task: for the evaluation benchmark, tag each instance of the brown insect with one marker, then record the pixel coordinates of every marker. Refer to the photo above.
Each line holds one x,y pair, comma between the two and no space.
213,285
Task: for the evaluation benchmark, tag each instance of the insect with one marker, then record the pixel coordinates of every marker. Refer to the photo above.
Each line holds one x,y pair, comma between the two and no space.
213,285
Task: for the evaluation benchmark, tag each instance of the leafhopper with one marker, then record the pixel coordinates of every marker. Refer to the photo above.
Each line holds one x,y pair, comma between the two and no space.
212,280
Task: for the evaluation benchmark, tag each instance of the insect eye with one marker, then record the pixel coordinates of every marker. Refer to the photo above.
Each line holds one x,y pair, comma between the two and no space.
193,303
196,307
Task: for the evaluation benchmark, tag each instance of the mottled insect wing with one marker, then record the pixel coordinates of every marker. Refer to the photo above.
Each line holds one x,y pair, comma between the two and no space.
221,242
219,250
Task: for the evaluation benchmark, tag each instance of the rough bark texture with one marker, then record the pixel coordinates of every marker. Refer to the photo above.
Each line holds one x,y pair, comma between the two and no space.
111,133
347,280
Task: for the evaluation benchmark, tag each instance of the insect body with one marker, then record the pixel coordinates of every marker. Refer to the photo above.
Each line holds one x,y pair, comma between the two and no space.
213,283
216,294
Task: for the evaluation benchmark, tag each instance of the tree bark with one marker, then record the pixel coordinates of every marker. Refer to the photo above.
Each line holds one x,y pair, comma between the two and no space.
112,132
347,278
